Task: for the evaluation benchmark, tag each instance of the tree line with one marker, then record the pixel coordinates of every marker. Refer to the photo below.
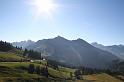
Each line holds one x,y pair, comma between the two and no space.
5,46
31,54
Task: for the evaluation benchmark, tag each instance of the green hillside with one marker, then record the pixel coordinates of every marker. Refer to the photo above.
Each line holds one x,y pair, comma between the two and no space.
15,70
101,78
16,66
9,56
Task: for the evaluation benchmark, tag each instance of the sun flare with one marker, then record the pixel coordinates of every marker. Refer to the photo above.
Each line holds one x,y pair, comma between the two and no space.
43,7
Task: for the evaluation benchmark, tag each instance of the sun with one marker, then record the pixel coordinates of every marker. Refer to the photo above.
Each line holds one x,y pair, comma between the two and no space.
43,7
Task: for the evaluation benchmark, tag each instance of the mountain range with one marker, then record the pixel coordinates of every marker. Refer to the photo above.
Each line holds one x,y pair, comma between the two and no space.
72,52
117,50
23,44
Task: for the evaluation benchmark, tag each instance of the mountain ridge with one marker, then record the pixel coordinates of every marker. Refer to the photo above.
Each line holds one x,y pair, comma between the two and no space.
23,44
73,52
118,50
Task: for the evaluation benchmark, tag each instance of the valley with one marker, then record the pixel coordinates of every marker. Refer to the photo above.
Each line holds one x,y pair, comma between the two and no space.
14,72
17,66
61,41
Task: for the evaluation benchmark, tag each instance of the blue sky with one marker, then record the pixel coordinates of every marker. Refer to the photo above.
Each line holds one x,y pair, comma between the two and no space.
99,21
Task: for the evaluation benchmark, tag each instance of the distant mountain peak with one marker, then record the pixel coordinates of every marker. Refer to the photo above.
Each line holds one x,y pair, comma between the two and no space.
79,39
117,50
97,44
94,43
73,52
60,38
23,44
30,40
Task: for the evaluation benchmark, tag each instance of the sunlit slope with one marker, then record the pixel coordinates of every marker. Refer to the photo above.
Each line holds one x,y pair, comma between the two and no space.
101,78
9,56
16,70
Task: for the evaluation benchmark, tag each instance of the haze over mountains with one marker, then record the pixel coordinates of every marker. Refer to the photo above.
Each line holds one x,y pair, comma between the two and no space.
72,52
23,44
118,50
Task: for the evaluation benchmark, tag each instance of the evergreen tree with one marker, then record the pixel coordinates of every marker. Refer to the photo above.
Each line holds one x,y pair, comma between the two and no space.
44,71
38,70
4,46
71,75
31,68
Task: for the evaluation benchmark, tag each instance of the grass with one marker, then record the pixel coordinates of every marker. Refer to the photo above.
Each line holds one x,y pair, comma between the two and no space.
13,68
9,56
64,69
11,71
15,65
101,78
17,72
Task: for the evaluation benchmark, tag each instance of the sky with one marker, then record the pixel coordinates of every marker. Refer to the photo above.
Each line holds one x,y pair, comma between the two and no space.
99,21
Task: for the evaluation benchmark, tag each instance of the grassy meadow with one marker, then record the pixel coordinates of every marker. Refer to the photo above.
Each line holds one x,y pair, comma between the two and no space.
17,72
